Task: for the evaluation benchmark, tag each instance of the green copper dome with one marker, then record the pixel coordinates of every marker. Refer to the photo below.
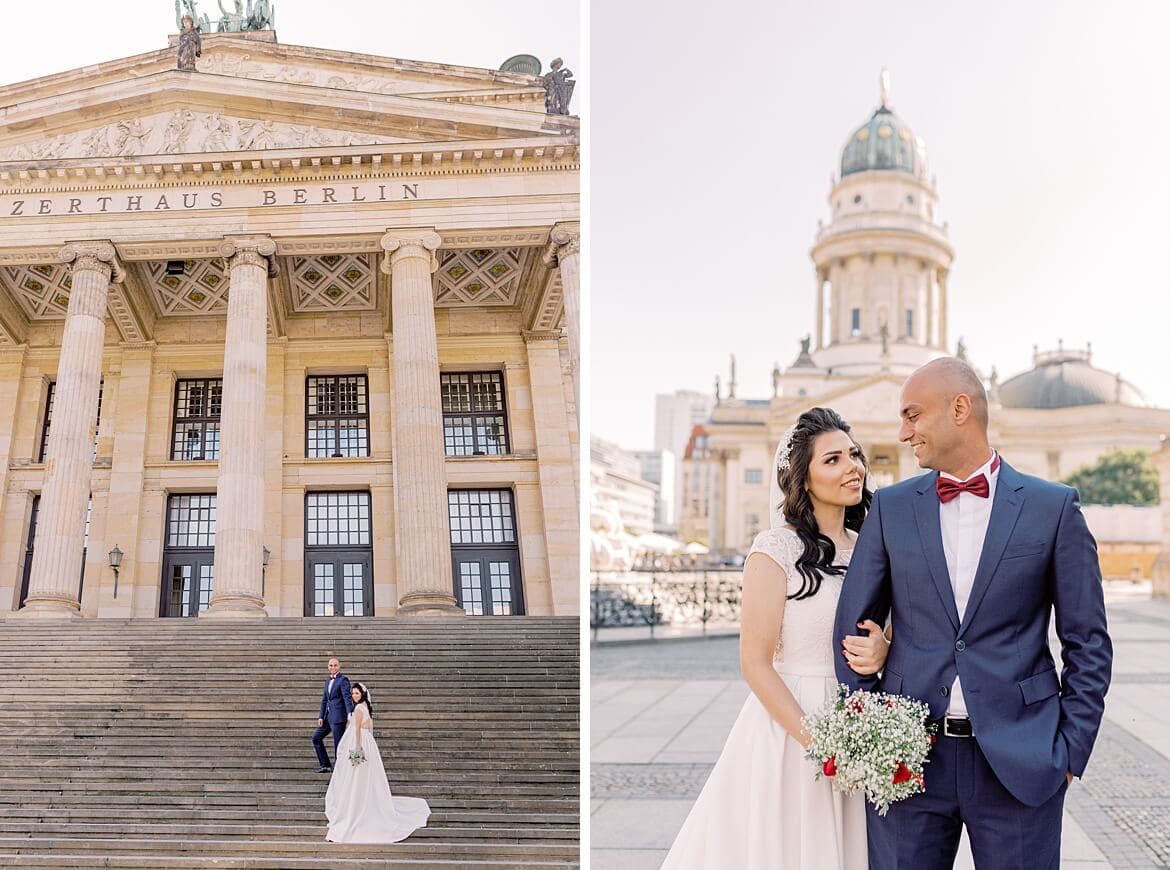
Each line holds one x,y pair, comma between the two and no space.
883,142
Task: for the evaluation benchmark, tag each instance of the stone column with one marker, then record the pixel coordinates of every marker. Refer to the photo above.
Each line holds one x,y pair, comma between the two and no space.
931,289
942,308
564,252
555,463
1161,460
11,376
819,343
239,493
56,567
422,538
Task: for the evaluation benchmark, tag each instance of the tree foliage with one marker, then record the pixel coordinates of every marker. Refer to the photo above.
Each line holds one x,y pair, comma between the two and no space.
1121,477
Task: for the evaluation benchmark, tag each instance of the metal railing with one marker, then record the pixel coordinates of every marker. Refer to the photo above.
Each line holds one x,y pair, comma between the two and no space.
650,599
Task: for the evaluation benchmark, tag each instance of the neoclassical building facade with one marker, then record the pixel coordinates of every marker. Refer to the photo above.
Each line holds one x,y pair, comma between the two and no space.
881,266
294,333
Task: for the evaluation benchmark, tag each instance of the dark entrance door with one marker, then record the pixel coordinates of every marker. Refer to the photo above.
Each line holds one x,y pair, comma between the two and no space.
339,583
485,558
187,582
188,573
487,581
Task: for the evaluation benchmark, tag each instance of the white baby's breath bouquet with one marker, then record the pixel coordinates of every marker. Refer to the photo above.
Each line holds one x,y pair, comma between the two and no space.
871,742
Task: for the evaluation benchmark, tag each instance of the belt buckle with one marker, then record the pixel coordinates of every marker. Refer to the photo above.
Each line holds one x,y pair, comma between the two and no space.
961,727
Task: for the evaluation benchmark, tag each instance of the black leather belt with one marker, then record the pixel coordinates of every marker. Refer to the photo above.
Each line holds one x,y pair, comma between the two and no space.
955,726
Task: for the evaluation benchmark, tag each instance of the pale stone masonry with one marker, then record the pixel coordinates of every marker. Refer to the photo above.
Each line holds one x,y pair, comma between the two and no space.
56,566
239,537
328,301
424,572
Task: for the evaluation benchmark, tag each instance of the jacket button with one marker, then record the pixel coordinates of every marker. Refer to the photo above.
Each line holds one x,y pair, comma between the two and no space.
960,645
943,690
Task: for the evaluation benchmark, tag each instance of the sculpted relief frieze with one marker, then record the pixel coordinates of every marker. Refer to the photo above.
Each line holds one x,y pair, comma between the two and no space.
242,66
184,131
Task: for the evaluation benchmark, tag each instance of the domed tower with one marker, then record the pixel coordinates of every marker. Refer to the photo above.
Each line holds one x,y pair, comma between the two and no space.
882,261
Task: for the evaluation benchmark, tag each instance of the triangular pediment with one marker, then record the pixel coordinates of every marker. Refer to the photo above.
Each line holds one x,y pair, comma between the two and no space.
871,399
254,96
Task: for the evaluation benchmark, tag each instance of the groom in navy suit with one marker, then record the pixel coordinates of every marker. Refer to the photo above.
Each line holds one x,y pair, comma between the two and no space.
336,705
973,559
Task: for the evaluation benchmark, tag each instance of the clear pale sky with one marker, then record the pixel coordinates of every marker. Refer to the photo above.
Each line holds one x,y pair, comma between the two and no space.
714,137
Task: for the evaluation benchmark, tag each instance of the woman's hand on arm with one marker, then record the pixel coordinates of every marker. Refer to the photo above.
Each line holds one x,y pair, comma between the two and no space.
866,653
765,587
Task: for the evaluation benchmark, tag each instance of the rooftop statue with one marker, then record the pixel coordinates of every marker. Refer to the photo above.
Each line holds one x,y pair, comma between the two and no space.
186,9
190,46
257,15
558,87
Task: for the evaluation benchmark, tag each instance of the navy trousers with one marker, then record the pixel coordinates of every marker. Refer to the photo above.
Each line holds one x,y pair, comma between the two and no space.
922,832
337,729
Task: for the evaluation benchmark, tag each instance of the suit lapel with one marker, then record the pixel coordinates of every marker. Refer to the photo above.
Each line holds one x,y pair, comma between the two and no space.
1005,511
930,530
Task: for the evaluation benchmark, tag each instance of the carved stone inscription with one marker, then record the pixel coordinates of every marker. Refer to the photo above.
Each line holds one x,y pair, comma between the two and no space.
177,199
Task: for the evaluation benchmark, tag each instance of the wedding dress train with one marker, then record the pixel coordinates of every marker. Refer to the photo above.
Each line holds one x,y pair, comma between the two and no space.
358,803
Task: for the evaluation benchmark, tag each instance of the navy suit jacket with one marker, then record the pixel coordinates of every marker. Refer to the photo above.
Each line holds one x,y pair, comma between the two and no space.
1038,560
338,704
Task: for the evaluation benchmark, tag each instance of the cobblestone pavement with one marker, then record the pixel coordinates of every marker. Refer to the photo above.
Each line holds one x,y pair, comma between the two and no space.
1118,816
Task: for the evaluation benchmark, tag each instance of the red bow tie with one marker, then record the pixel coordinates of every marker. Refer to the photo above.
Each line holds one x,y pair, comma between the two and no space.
948,489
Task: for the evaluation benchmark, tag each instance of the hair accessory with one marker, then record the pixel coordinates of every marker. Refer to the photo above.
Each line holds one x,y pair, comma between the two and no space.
782,459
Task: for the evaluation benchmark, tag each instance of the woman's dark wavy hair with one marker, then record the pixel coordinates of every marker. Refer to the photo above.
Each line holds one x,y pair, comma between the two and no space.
361,687
819,551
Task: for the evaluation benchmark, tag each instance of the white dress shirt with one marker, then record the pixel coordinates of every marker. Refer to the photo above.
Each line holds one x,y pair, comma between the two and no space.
964,522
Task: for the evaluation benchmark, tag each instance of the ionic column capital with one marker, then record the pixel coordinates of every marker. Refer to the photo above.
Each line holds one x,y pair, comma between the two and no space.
564,240
403,244
97,256
250,251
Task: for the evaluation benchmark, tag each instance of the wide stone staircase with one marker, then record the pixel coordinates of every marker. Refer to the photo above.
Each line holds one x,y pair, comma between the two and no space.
186,742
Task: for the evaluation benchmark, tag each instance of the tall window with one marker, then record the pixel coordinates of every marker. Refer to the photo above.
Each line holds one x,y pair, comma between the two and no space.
338,554
910,322
337,416
475,422
30,546
188,569
753,475
855,322
198,404
44,447
484,554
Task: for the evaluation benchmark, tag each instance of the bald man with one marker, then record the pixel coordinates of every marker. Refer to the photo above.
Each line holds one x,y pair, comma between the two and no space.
971,560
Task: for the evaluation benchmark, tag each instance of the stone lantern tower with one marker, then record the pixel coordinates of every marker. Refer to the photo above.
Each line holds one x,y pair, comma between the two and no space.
882,261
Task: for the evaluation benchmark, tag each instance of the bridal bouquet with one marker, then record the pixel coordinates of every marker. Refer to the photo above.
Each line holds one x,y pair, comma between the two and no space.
871,742
356,756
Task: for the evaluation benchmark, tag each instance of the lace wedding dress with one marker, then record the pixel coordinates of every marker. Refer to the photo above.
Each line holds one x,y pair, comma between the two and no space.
358,803
762,807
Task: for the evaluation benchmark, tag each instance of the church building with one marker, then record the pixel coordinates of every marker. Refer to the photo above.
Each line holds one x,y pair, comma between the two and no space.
880,267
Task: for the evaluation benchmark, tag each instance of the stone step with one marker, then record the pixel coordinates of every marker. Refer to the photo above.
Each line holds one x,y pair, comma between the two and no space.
17,812
206,847
310,803
227,831
168,743
158,861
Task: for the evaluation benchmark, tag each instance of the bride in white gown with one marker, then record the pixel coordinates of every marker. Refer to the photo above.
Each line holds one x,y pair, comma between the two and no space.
358,803
762,807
